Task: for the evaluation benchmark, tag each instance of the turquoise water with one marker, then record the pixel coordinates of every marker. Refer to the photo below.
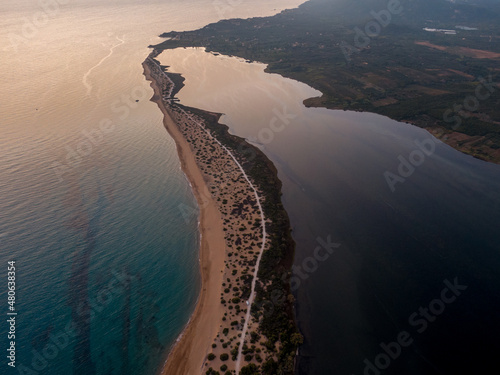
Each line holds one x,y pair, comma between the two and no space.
117,232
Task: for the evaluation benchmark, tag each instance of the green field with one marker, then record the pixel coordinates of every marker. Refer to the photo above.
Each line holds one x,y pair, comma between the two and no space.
374,55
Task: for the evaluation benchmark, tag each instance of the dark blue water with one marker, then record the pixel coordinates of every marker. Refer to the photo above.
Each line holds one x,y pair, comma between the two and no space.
398,250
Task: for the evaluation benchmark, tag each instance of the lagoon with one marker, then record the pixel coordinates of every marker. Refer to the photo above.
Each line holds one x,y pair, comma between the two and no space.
398,244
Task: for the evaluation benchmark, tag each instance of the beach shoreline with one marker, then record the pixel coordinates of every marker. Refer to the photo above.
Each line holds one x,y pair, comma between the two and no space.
244,316
187,355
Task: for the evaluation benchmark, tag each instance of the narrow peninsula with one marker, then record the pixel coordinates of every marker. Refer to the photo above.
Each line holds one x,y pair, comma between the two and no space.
244,319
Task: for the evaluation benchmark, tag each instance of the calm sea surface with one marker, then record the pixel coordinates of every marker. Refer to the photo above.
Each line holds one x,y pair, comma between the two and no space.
90,185
419,264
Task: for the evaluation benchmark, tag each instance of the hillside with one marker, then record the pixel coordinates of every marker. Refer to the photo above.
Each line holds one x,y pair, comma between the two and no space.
374,55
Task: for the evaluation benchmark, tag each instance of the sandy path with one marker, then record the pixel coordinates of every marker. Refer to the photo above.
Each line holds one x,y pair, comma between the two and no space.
264,236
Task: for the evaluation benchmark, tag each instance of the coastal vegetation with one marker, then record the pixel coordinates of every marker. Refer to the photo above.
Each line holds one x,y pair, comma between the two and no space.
246,189
273,305
401,71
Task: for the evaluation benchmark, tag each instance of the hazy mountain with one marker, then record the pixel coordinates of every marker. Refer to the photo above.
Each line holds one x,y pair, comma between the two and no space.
415,12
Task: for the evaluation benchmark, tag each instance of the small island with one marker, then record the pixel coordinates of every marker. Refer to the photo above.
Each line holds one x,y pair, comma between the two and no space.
244,319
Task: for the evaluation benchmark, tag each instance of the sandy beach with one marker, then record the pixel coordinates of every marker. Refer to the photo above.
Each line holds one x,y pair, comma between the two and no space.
233,238
188,355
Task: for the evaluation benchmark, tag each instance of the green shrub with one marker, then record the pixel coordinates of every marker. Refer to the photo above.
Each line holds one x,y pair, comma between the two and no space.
250,369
